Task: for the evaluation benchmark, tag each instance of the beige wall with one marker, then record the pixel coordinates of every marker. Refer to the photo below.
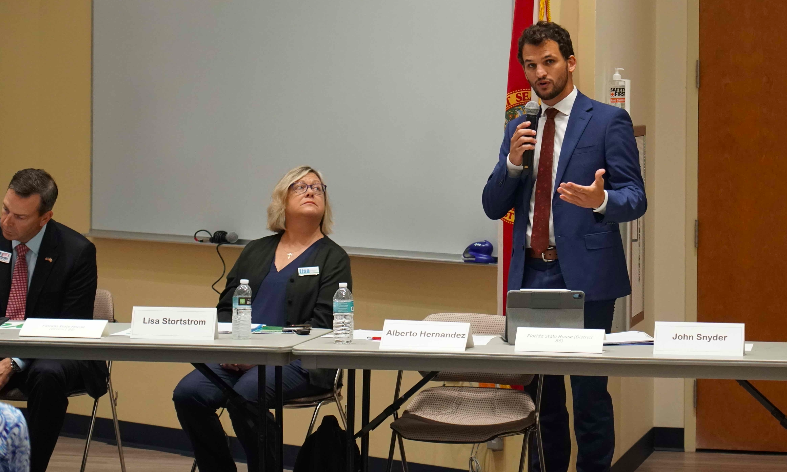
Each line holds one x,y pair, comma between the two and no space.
625,32
640,37
579,18
657,44
45,122
692,174
45,101
675,206
45,98
669,210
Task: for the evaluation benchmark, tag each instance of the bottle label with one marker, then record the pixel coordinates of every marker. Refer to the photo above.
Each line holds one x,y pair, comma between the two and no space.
617,96
241,301
342,306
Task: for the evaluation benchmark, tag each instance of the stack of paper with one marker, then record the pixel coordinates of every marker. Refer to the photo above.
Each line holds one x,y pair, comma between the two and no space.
627,337
226,328
369,335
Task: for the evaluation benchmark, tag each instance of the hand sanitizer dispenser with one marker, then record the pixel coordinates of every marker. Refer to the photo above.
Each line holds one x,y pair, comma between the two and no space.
620,91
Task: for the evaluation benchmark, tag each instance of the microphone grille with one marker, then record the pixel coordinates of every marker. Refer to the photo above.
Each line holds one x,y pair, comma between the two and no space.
531,108
232,237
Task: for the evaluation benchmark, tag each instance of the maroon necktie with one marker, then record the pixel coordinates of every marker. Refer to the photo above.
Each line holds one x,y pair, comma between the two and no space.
539,237
18,296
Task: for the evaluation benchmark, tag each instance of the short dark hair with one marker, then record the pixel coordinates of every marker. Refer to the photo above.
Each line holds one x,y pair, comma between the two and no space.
542,31
29,182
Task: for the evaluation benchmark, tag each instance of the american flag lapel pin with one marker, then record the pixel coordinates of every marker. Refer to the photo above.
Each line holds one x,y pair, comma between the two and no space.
48,259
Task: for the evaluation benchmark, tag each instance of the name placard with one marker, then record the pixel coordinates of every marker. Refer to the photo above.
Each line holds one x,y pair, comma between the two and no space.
150,322
588,341
58,328
432,336
720,339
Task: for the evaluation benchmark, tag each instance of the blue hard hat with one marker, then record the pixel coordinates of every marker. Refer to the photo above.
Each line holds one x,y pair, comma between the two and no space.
479,253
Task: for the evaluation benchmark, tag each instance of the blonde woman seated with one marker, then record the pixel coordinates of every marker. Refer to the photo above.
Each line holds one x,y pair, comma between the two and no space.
300,215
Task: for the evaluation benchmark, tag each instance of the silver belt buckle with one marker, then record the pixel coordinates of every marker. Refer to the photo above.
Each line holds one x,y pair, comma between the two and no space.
543,258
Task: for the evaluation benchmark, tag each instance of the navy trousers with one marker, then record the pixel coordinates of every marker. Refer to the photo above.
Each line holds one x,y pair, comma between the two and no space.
594,425
197,399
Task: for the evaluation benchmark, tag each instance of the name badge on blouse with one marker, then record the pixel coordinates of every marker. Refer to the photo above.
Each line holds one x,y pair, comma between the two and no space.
5,257
303,271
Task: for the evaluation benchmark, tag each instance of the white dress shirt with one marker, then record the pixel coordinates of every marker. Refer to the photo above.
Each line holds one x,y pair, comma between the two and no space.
561,122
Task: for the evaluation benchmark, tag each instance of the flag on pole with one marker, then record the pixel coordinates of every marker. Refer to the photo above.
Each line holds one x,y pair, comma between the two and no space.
526,12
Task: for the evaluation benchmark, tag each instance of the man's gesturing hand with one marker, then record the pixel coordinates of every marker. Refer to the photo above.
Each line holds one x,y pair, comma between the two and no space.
586,197
6,371
522,140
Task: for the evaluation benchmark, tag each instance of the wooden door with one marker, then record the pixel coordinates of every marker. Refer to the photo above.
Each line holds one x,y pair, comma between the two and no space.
742,255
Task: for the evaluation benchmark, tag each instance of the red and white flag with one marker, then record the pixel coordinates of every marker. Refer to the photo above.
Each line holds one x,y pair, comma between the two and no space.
526,12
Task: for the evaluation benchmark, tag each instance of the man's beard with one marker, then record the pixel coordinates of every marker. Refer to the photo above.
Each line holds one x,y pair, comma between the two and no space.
556,90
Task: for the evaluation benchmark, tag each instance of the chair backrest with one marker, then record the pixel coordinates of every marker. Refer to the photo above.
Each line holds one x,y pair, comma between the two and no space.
479,324
104,307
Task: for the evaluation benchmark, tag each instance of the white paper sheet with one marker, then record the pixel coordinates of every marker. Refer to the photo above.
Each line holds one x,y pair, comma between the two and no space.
483,339
627,337
369,335
226,328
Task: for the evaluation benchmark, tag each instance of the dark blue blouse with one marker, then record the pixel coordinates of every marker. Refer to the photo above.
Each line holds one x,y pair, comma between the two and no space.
269,306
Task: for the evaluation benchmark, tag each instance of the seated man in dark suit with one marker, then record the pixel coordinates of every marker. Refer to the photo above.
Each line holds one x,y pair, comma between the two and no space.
47,270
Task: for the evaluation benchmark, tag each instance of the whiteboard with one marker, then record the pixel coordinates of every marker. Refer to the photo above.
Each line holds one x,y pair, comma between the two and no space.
200,106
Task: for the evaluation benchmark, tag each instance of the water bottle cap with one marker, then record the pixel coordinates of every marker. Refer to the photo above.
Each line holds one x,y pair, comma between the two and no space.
342,284
244,281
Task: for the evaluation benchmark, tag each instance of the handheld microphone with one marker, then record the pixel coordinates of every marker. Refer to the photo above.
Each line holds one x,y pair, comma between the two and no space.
531,114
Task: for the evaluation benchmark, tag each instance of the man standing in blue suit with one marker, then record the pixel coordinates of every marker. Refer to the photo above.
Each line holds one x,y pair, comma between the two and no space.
585,180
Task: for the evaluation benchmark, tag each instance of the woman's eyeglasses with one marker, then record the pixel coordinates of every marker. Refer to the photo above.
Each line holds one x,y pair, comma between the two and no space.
301,187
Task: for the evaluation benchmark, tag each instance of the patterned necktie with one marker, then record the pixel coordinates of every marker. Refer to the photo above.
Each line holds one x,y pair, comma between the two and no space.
539,237
18,297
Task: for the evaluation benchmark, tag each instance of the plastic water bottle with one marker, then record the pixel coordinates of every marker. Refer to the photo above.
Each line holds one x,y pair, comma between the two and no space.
241,311
343,315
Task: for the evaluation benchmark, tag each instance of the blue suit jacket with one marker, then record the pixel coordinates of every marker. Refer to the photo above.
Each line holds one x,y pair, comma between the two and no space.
589,246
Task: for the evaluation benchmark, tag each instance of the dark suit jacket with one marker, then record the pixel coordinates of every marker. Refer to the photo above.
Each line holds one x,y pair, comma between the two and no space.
63,286
589,246
309,299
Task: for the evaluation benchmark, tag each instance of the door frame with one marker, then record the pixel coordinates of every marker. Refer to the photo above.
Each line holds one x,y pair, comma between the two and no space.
692,199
